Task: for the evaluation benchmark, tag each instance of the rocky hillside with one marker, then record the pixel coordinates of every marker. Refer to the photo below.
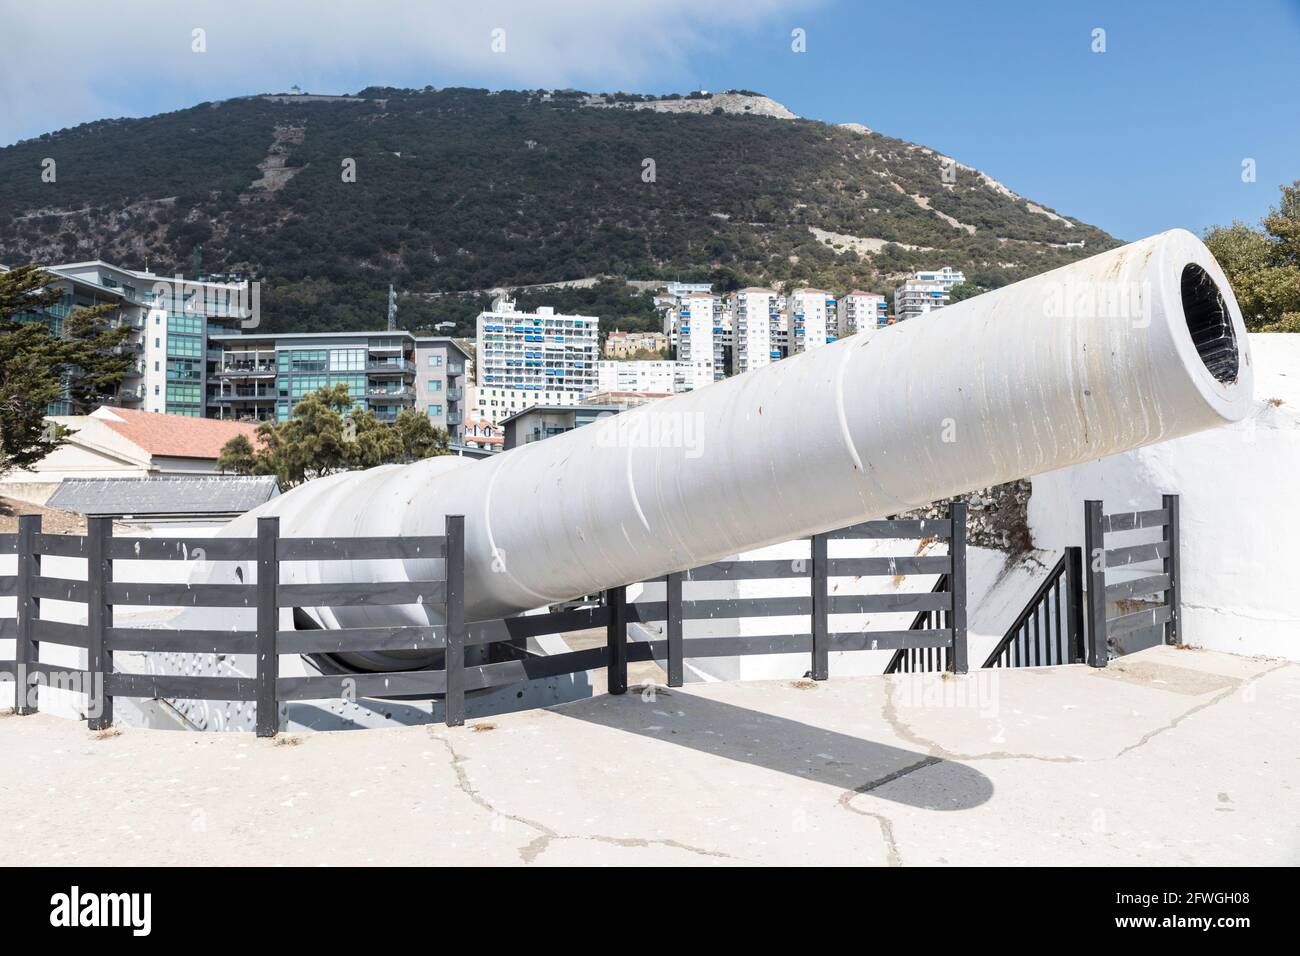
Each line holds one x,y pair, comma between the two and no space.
458,190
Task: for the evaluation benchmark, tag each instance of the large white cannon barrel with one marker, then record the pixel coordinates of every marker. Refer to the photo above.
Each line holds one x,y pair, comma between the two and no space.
1134,346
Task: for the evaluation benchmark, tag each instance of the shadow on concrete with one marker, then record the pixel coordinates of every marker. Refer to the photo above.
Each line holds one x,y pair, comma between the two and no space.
788,746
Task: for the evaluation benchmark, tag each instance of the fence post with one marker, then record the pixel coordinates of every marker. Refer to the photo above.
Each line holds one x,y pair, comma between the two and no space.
99,618
616,640
268,622
1173,568
1094,543
821,636
1074,604
454,655
673,615
26,650
959,661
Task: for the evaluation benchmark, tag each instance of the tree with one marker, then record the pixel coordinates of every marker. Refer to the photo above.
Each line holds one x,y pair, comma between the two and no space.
237,456
962,291
312,444
328,434
93,349
1263,265
419,438
38,368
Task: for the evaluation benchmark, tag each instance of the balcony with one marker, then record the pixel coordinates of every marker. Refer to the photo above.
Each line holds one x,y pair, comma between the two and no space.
454,395
239,369
251,392
392,368
383,396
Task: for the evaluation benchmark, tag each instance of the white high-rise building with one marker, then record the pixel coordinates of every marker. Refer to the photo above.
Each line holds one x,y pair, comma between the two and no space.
916,297
530,358
698,336
758,327
946,277
861,312
811,319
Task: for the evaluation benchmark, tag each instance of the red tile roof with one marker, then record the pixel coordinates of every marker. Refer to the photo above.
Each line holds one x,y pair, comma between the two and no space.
174,436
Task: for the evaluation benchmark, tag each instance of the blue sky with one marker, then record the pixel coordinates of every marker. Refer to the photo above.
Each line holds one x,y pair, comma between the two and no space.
1148,135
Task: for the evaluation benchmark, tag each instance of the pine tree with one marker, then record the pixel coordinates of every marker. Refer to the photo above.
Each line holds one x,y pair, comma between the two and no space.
38,367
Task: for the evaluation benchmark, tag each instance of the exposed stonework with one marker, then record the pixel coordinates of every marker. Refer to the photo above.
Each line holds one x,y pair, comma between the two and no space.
996,517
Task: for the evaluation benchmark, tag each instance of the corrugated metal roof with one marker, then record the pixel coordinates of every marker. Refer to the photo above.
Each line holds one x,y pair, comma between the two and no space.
164,495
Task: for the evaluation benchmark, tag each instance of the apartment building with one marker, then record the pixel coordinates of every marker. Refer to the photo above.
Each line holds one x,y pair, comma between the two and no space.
261,377
946,277
758,328
171,368
623,344
811,319
442,368
699,334
642,375
916,297
672,293
860,311
523,358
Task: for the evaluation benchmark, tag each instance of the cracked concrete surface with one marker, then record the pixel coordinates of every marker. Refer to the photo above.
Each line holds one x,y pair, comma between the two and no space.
1168,757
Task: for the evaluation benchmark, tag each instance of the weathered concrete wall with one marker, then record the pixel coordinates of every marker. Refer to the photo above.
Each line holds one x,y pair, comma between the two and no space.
1240,527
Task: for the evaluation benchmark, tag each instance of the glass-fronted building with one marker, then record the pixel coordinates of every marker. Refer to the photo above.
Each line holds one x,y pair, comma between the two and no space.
173,318
262,377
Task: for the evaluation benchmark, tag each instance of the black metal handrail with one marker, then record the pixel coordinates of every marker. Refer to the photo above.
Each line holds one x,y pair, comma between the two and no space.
1028,642
914,659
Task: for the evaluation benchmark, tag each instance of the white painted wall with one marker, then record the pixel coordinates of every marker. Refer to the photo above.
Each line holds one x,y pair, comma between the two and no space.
1240,523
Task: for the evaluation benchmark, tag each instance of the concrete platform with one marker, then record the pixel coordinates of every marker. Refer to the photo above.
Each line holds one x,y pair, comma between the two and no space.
1169,757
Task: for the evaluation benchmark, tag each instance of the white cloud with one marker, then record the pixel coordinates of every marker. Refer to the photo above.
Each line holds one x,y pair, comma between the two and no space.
67,63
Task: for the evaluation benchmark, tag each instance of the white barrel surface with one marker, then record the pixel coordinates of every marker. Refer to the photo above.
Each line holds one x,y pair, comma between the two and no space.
1104,355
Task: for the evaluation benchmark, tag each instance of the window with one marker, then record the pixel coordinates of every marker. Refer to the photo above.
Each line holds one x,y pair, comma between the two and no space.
182,394
435,411
191,324
347,360
185,345
435,361
302,384
309,360
356,383
435,385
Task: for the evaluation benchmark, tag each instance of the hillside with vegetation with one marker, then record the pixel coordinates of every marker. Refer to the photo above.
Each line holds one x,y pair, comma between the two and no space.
459,191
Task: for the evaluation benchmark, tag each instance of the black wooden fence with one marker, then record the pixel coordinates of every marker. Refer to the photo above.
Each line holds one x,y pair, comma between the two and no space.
1058,626
1156,593
100,638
